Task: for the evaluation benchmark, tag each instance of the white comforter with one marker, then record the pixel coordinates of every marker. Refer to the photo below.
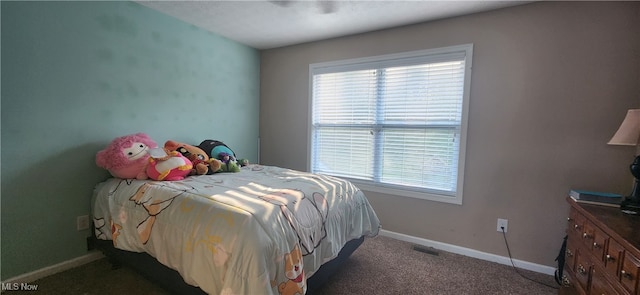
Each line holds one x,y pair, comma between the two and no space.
263,230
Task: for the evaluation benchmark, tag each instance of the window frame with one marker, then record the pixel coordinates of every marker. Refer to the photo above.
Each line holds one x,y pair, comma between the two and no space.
399,59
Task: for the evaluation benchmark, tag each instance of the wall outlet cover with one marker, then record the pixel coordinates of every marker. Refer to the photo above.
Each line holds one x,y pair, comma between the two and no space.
502,223
82,222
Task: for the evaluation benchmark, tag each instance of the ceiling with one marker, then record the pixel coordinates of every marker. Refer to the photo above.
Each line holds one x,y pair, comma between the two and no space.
265,24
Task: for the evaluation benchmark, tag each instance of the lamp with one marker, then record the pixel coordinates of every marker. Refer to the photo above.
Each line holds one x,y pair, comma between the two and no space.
629,134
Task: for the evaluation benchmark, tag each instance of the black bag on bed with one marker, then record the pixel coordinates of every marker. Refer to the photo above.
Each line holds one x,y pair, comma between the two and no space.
214,147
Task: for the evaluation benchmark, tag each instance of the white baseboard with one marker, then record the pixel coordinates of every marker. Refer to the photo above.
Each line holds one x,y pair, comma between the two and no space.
470,252
56,268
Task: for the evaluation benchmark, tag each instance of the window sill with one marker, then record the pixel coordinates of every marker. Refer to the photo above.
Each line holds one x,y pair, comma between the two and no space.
365,186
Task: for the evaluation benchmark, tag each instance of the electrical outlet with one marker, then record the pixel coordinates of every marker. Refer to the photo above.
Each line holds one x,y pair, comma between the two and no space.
82,222
502,223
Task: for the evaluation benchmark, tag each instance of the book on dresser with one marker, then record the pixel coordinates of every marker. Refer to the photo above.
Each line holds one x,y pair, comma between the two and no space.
596,198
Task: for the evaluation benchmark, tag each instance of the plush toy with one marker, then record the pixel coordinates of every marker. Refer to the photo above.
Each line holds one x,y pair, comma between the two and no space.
170,165
243,162
218,150
228,164
202,164
127,156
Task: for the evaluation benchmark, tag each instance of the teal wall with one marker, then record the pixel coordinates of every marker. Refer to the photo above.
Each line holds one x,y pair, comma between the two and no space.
75,75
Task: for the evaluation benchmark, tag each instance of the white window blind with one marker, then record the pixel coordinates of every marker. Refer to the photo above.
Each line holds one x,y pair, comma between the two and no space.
394,121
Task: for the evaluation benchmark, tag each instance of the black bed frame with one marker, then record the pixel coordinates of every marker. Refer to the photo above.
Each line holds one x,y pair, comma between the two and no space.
170,279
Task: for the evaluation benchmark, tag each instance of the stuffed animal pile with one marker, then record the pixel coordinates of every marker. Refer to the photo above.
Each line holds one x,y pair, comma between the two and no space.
137,156
202,164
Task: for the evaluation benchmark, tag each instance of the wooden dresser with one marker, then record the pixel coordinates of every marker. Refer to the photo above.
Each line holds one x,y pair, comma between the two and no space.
602,254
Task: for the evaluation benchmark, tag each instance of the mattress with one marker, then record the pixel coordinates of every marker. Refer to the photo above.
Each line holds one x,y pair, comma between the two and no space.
263,230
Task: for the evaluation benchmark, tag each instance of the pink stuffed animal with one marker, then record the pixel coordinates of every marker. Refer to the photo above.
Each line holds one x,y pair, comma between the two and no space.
127,156
171,166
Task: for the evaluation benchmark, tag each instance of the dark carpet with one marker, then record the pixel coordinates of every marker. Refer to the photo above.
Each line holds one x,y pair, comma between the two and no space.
380,266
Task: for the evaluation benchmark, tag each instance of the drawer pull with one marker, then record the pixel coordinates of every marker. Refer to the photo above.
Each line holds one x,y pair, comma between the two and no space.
569,218
610,258
586,236
596,245
569,253
581,269
565,281
626,275
576,226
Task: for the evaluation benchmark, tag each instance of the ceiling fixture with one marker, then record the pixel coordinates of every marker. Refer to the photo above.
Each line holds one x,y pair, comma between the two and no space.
325,6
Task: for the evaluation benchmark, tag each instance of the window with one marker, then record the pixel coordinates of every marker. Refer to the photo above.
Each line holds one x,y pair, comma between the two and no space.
394,124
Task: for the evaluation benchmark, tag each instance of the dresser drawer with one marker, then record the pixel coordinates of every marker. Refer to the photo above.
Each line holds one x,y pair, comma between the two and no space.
569,285
600,285
576,223
599,241
613,258
583,268
629,273
570,254
594,239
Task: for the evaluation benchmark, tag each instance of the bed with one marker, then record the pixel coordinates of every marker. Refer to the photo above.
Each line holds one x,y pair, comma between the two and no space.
263,230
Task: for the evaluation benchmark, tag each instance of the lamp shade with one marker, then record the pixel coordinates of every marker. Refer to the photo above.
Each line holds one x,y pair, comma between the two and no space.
629,131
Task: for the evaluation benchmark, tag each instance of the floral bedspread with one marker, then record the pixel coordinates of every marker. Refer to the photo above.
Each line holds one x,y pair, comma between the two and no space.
263,230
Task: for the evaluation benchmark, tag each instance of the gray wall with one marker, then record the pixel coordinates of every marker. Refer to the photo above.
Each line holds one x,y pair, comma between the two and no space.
551,83
75,75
